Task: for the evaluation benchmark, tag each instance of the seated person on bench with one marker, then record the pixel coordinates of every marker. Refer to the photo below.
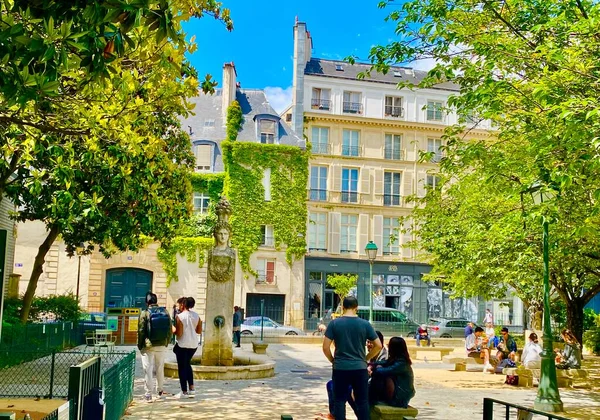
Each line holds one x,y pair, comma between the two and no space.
507,347
423,334
474,347
392,381
570,357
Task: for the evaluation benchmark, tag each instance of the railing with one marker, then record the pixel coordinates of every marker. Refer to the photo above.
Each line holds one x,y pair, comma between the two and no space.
349,197
117,383
82,379
352,107
394,111
317,249
392,199
320,148
394,154
266,279
318,195
488,410
38,337
350,150
324,104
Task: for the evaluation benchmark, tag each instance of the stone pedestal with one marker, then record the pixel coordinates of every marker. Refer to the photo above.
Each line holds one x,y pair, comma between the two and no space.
217,347
259,347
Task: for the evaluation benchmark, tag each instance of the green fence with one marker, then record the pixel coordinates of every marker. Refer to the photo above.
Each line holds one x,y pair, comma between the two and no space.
83,378
117,383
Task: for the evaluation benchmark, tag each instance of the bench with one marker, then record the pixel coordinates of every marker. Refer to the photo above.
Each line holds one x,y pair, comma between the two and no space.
565,377
387,412
443,351
100,338
460,363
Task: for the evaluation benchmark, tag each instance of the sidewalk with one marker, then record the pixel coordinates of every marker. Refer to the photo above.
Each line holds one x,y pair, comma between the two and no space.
298,389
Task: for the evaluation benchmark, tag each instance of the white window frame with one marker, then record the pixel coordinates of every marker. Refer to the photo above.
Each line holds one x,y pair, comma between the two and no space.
196,148
320,139
352,102
350,142
394,109
318,188
391,226
435,145
317,231
394,152
265,136
263,272
321,99
267,235
201,198
350,181
433,181
392,189
434,111
348,232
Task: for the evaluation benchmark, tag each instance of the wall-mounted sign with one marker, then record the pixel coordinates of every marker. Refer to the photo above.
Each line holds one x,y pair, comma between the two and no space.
112,323
133,324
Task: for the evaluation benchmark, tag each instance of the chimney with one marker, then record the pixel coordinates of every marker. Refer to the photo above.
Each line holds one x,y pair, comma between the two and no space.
302,43
229,87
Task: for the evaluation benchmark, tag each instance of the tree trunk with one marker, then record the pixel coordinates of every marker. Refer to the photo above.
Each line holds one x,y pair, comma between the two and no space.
38,269
575,317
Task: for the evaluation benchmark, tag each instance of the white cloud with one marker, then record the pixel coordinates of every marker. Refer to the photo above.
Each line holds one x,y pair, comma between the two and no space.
278,97
425,64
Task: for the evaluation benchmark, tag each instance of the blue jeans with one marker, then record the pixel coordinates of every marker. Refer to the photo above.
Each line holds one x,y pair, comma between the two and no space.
349,398
425,337
358,381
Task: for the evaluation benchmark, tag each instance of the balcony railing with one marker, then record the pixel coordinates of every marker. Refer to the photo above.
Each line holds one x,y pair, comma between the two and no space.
348,251
317,249
350,150
349,197
321,148
394,154
394,111
317,195
324,104
268,278
268,241
392,199
352,107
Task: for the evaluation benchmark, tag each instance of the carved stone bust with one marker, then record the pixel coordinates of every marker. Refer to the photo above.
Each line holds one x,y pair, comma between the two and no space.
221,258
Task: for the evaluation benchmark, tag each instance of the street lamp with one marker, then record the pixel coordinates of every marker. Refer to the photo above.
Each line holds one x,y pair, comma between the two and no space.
548,397
371,251
79,250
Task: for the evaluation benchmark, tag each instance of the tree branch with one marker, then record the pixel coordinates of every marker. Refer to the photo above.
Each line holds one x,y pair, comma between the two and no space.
582,9
44,127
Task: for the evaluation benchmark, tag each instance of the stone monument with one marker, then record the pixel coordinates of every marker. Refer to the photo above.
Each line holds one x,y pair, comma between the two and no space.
217,347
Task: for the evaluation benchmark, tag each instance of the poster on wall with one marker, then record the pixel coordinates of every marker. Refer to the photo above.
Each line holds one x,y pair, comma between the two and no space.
406,300
133,324
434,303
378,297
393,279
378,278
406,280
112,323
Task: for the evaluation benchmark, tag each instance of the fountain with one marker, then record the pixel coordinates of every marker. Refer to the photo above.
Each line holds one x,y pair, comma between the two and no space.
218,360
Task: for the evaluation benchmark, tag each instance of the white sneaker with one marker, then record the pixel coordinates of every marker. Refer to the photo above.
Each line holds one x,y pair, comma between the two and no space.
148,398
183,395
192,392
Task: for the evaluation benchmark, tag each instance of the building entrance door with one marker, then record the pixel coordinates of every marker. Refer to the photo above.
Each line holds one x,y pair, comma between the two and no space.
127,287
274,306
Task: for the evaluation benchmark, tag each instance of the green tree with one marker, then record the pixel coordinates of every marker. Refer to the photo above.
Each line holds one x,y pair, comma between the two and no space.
342,284
90,95
530,68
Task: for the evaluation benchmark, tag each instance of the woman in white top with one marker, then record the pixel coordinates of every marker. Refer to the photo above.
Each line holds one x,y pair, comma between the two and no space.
531,358
187,325
490,335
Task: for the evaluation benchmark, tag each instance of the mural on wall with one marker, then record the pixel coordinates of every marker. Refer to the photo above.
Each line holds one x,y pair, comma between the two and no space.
434,302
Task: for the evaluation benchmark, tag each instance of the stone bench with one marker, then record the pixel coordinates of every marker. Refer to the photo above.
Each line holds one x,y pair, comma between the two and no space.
387,412
443,351
565,377
460,363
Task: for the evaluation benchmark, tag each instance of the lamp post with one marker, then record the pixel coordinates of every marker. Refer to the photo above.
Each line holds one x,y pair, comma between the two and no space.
79,250
548,397
371,251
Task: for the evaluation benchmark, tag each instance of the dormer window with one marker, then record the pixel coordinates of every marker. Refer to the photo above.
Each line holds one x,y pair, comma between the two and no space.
203,154
267,130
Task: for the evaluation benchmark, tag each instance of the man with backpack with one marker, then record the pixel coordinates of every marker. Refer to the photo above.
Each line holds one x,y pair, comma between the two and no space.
154,335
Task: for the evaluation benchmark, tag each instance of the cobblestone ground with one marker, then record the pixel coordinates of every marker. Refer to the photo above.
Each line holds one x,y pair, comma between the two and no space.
298,389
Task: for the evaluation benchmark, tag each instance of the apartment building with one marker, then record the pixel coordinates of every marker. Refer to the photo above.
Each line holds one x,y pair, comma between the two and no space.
367,137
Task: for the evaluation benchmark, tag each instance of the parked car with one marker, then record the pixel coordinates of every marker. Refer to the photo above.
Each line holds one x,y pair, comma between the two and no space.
447,327
390,320
251,326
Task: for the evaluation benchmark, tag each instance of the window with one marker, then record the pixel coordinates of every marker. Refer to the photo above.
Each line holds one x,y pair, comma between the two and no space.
352,102
317,231
318,183
434,111
266,271
321,99
350,140
349,224
393,107
391,242
433,181
393,144
267,237
288,117
201,202
435,146
349,185
339,67
267,131
320,140
391,188
266,182
204,156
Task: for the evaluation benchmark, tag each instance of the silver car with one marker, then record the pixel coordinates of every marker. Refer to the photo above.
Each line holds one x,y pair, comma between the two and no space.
251,326
447,327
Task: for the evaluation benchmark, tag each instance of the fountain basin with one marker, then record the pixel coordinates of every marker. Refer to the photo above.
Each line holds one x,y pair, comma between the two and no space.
244,367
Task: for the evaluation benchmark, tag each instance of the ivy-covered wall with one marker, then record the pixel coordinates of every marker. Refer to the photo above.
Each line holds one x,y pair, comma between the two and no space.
212,184
245,164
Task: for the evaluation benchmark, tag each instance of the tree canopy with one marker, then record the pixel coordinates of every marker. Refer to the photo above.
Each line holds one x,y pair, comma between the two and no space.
530,67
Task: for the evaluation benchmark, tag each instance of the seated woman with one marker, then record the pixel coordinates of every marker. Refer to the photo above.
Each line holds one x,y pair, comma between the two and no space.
531,357
570,357
392,381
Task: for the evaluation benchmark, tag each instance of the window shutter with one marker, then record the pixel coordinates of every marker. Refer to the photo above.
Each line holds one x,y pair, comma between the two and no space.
336,178
378,233
378,184
266,181
365,180
363,236
421,182
203,154
408,184
334,232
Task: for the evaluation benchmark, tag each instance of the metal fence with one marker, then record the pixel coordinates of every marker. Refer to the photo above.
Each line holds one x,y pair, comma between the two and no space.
40,337
83,378
508,411
43,375
117,383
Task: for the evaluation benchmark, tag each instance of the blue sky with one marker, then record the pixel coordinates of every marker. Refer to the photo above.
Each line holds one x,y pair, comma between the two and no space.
261,44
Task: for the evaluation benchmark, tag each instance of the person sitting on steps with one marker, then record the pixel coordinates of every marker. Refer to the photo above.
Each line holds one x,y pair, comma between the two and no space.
423,334
570,357
475,348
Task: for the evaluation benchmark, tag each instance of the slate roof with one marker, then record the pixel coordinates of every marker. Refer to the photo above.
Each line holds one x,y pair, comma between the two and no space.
252,101
327,68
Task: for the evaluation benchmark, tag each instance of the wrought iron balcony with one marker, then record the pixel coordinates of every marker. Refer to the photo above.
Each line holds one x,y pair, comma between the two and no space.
268,278
394,154
350,150
352,107
320,148
324,104
317,195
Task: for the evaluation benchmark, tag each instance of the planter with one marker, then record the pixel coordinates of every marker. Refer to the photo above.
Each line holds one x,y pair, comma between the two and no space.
259,347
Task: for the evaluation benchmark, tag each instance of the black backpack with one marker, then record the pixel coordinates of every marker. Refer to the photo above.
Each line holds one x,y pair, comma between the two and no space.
159,324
